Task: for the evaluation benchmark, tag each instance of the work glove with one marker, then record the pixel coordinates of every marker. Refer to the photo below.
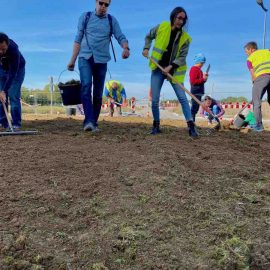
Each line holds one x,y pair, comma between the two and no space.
213,117
210,117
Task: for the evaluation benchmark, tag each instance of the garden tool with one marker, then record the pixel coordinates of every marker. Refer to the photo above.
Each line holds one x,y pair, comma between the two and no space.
11,129
208,68
117,103
210,130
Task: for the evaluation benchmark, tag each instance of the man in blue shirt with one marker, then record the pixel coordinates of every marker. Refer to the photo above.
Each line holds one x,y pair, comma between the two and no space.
92,46
12,71
116,95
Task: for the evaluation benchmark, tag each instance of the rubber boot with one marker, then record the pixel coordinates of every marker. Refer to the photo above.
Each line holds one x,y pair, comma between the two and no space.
155,129
192,129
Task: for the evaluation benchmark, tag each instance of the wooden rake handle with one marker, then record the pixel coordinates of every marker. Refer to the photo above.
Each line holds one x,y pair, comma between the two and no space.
181,86
7,116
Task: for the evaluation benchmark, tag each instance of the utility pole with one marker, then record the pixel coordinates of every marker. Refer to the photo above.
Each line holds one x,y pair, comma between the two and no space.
260,3
51,90
212,90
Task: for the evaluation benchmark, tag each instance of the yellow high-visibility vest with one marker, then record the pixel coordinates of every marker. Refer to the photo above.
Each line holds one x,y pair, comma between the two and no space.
260,60
109,84
161,43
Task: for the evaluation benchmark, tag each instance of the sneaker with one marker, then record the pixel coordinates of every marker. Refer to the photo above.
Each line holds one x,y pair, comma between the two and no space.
259,128
16,128
96,129
88,127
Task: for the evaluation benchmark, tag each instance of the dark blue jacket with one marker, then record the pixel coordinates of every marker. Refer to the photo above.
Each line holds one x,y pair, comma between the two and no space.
11,62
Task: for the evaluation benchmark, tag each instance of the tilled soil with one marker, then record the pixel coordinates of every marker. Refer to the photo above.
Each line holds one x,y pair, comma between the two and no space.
123,199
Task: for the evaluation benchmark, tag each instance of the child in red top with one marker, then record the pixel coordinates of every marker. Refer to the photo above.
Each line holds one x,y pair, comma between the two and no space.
197,81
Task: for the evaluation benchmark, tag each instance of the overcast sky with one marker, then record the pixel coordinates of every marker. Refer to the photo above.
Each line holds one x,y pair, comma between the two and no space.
45,32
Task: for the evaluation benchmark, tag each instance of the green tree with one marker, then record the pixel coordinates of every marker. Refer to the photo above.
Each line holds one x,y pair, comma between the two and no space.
234,99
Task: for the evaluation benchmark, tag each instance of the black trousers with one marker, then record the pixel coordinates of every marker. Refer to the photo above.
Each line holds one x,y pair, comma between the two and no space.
195,106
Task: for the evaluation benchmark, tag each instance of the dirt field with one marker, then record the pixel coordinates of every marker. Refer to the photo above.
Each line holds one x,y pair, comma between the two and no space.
122,199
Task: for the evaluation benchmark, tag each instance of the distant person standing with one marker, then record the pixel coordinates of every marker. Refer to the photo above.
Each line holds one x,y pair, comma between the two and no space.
116,95
170,51
12,71
258,63
133,104
197,80
92,46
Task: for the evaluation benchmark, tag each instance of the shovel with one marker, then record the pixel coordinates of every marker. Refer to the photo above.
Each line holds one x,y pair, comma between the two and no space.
12,131
210,130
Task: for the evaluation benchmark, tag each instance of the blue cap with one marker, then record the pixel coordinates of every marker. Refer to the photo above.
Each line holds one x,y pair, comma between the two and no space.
199,58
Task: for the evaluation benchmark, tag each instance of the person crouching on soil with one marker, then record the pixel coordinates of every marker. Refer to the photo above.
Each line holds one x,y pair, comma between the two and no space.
197,80
249,121
170,51
215,108
116,95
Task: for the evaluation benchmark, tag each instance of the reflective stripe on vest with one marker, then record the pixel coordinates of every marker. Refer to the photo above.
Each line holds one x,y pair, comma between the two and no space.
118,91
260,60
161,44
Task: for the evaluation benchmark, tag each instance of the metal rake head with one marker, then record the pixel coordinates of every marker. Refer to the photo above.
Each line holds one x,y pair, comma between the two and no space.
12,133
212,130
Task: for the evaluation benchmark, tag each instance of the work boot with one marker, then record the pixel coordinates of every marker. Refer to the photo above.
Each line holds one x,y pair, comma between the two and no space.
192,129
155,129
111,112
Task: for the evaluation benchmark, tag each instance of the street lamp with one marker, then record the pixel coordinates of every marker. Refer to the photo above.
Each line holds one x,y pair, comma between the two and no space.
260,3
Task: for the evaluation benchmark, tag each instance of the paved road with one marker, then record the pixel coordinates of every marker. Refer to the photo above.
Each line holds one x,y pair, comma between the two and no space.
167,114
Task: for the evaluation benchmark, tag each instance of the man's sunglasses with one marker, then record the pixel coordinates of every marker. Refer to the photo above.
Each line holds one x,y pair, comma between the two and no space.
103,4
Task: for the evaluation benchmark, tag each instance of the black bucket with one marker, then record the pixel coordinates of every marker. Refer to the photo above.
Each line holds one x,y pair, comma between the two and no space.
71,111
70,91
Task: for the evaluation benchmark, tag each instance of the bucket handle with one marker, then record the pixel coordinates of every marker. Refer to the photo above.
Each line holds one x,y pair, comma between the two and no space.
65,71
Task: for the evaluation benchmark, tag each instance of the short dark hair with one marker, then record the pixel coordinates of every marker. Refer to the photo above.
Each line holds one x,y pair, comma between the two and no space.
4,38
176,11
251,45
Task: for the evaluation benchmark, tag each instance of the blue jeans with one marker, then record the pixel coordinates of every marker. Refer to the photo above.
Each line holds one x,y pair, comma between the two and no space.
91,73
215,110
13,94
157,80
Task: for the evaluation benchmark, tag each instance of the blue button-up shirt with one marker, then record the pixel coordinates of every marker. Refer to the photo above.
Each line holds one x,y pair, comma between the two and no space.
98,37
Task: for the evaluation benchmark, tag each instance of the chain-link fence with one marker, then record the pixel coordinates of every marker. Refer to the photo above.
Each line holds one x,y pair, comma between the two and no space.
42,102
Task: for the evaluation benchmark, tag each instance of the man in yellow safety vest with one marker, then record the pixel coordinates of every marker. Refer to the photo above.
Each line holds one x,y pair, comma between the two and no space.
258,63
116,95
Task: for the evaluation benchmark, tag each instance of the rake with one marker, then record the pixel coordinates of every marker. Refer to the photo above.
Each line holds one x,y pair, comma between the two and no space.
11,129
209,131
